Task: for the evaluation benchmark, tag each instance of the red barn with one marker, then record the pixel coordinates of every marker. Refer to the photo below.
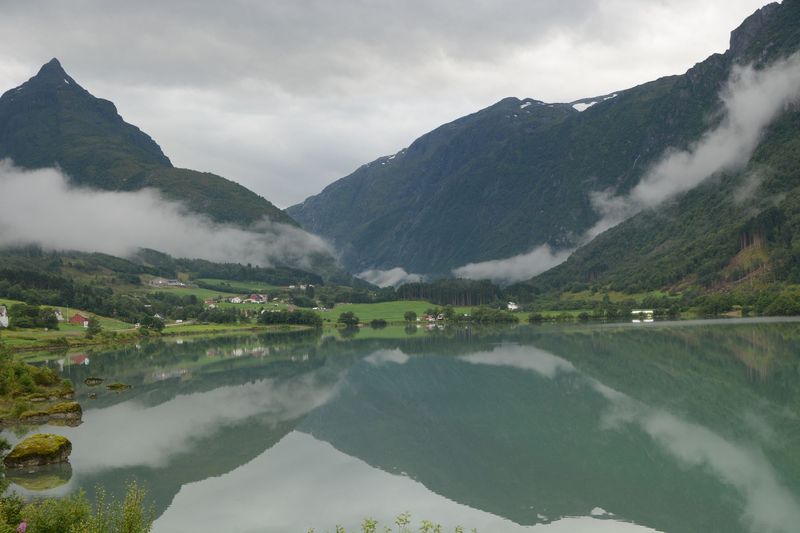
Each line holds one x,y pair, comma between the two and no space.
78,319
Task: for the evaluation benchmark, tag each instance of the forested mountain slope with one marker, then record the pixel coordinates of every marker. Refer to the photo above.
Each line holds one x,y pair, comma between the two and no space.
50,120
520,173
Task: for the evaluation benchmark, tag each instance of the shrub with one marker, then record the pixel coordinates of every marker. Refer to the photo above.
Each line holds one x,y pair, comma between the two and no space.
348,318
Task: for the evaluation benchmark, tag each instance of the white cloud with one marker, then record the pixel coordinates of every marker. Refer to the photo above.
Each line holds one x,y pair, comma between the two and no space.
389,278
516,268
40,207
751,100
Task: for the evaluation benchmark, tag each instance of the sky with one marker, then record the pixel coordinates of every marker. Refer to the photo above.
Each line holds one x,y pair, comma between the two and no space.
285,97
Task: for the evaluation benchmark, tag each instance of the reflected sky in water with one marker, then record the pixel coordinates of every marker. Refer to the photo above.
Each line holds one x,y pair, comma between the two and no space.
768,505
679,428
311,478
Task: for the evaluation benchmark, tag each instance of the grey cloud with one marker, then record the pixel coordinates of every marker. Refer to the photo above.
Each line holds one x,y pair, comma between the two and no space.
40,207
285,97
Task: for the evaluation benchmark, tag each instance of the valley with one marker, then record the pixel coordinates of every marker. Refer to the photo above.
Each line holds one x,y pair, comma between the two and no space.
548,313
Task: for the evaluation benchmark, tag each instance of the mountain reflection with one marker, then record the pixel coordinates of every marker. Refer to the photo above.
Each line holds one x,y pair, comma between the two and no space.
680,427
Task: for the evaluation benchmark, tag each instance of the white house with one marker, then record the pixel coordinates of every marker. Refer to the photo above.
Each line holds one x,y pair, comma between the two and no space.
512,306
235,300
3,317
642,315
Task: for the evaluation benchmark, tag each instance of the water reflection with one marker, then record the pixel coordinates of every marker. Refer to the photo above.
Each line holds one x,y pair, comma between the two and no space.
768,505
312,479
679,427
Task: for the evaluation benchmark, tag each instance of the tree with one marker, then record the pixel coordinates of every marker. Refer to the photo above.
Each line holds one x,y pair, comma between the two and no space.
93,328
348,318
410,316
152,322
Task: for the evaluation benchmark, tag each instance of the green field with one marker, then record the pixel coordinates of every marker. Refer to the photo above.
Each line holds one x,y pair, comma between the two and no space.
202,294
242,286
109,324
389,311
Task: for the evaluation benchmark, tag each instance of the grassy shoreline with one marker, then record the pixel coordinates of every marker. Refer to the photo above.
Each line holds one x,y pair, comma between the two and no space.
45,341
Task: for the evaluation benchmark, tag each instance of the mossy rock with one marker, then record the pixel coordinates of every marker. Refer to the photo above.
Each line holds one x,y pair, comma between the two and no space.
92,381
66,411
66,408
38,416
38,397
37,450
118,386
51,395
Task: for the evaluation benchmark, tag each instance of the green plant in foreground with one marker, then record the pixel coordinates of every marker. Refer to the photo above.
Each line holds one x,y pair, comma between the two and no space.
74,513
403,523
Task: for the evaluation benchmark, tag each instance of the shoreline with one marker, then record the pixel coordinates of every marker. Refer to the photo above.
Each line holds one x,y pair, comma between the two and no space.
112,339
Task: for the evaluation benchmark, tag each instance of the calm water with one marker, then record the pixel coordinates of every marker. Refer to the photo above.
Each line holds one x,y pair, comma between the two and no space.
689,427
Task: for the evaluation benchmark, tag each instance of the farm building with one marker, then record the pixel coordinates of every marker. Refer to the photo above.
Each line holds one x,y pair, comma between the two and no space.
79,319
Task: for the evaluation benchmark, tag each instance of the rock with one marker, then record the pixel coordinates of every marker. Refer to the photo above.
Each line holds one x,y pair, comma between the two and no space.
92,381
749,30
118,386
67,412
51,396
39,449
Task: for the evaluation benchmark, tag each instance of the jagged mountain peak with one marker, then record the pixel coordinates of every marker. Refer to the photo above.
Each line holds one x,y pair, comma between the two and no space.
51,75
51,121
51,68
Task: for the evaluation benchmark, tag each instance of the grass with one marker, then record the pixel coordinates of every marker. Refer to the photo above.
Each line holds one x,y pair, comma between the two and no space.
242,286
243,306
388,311
106,323
202,294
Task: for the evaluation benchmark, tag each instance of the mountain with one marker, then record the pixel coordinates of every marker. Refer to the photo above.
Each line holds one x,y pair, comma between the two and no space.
738,231
521,173
51,120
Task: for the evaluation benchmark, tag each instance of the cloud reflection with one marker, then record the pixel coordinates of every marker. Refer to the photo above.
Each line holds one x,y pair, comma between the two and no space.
132,434
769,507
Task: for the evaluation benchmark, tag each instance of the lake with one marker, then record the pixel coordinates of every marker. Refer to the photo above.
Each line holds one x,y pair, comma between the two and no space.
669,427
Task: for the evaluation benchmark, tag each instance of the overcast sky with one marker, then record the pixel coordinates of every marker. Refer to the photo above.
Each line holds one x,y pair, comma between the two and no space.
288,96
